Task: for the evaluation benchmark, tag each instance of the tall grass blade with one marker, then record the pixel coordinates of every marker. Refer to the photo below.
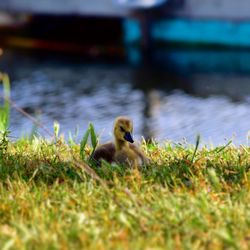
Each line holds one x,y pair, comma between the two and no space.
56,127
5,108
197,143
218,150
72,138
83,144
94,140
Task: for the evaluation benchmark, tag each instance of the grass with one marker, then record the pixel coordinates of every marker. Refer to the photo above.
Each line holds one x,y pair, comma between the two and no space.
5,108
188,198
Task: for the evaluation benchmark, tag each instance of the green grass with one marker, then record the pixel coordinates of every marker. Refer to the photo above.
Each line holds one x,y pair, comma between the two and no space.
5,107
188,198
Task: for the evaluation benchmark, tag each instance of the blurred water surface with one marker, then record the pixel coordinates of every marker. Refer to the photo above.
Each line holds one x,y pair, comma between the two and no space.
178,99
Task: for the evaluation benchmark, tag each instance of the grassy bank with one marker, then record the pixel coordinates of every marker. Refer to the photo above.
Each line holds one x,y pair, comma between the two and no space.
186,199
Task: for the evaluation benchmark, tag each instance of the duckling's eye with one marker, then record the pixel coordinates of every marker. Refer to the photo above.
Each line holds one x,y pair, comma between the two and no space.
122,129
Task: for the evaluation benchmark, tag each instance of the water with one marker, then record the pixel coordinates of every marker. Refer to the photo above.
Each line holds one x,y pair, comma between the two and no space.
180,99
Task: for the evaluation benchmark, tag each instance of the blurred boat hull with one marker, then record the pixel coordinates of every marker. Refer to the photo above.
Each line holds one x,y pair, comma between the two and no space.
89,37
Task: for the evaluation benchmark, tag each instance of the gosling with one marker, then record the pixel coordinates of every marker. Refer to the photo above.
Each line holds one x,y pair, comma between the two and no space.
122,150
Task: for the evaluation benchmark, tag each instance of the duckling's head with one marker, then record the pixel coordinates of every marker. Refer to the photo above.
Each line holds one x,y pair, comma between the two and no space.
123,128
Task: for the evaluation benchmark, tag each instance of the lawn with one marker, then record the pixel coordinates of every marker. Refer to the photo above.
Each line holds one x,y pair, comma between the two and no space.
189,197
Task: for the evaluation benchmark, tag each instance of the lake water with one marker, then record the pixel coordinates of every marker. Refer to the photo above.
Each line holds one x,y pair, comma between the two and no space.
184,93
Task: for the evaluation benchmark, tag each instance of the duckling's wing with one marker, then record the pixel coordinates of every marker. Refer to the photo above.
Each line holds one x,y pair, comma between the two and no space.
104,152
142,156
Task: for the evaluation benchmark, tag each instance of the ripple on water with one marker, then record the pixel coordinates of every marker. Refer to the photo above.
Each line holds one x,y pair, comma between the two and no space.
75,94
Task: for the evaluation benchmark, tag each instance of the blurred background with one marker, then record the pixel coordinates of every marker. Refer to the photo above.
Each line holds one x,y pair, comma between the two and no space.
178,68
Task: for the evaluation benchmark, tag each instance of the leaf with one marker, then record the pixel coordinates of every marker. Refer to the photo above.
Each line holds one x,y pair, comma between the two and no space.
5,109
94,140
83,144
56,129
198,139
70,139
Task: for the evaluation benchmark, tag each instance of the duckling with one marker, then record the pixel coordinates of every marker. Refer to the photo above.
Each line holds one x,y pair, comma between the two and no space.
122,150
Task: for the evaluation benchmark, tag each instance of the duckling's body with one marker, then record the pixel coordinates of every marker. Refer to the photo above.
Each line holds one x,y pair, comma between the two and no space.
105,151
131,156
122,150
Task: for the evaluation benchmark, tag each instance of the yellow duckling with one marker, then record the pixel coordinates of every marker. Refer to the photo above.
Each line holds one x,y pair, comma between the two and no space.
122,150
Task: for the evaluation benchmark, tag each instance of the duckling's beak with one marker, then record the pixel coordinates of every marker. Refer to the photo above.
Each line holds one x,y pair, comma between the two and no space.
128,137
